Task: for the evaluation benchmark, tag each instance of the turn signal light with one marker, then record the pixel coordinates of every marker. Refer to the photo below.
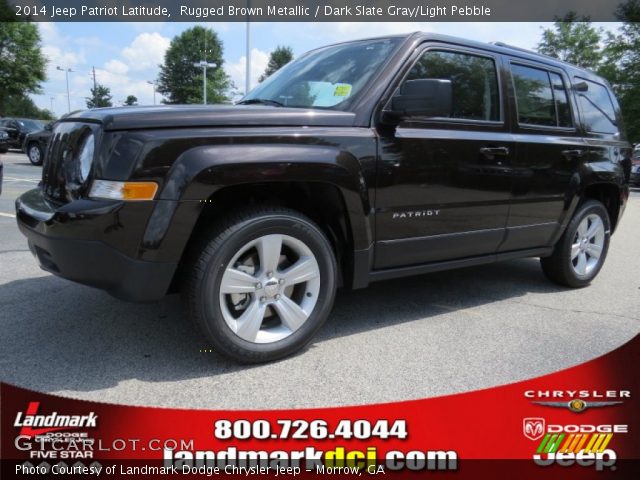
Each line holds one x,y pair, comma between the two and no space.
123,190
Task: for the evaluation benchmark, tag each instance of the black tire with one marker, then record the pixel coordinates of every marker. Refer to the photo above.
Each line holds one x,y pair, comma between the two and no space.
559,267
35,154
212,254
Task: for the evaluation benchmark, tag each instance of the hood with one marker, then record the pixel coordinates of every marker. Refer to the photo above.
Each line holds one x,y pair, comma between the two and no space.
170,116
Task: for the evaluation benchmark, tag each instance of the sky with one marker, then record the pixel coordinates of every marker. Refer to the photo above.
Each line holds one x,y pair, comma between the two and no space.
127,55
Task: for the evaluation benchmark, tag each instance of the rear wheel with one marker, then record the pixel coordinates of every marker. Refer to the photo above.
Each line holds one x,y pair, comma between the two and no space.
581,251
34,152
262,284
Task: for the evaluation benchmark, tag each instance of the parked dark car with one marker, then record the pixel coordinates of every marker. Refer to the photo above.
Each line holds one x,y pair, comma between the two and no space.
17,128
357,162
4,141
4,137
635,168
35,144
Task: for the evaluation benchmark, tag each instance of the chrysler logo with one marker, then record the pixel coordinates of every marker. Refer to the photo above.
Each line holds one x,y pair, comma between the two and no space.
577,405
533,428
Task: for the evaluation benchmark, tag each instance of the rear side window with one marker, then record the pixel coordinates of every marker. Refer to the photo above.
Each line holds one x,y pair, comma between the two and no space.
561,99
541,97
598,113
473,80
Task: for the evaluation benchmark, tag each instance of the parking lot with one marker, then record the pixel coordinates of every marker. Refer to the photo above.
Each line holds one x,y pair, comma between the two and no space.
411,338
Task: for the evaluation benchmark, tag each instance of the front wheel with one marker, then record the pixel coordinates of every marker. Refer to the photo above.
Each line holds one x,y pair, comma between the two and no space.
34,152
262,284
580,253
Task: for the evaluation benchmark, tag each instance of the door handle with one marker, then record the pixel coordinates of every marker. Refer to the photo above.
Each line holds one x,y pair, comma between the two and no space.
491,152
573,153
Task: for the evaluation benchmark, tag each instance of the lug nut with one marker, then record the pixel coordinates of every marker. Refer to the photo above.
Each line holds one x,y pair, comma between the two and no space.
277,297
263,299
269,274
281,281
258,286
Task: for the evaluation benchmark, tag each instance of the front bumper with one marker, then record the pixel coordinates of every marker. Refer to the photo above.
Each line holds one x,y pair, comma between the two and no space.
76,241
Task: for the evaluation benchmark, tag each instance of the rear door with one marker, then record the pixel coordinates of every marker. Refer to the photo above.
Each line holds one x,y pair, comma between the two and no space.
549,150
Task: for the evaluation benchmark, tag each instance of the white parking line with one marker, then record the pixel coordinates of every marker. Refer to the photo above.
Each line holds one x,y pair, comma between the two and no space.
17,179
7,215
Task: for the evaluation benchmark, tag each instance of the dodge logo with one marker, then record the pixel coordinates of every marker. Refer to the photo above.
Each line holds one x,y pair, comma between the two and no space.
533,428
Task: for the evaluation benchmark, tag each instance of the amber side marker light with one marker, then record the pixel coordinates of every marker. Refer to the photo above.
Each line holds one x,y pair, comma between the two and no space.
123,190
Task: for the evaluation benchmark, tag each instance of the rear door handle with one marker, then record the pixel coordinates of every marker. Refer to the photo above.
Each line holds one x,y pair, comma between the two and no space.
573,153
492,151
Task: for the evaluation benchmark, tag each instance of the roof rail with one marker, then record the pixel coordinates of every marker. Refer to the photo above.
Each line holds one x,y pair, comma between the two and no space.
525,50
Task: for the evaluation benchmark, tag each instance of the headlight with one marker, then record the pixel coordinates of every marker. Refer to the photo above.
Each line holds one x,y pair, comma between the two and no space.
86,156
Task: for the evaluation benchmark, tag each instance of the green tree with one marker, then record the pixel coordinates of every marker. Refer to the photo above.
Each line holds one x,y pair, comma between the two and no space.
100,97
277,59
180,81
622,67
573,39
131,100
7,13
23,106
22,65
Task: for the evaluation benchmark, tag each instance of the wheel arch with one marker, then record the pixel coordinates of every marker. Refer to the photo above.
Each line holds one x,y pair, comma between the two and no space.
610,195
319,181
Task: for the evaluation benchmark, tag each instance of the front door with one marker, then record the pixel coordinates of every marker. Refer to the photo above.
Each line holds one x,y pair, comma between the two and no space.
444,184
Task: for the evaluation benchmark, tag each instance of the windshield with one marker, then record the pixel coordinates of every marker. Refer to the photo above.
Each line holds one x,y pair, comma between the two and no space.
31,124
329,77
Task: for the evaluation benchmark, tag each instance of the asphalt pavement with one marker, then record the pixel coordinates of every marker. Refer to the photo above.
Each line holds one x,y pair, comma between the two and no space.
412,338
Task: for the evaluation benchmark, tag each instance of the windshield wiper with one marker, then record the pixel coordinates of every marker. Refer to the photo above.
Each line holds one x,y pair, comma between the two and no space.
262,101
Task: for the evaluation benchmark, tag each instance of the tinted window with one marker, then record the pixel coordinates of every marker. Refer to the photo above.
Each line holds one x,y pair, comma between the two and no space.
31,124
597,109
534,96
563,111
473,80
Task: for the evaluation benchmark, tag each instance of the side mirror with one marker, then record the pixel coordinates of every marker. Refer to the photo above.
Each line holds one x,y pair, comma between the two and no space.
581,87
49,126
429,97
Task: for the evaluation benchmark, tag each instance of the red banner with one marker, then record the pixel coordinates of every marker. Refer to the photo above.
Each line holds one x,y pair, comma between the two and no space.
581,422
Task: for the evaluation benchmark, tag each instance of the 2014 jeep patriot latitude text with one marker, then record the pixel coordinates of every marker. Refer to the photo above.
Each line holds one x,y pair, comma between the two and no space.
357,162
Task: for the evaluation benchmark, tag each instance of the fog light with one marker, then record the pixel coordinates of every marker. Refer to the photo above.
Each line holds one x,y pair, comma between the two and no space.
123,190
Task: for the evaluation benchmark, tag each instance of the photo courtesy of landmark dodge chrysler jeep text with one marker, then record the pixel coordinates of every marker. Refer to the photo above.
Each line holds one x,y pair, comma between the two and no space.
357,162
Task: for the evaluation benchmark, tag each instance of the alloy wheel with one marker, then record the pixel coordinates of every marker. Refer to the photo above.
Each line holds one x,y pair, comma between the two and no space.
34,154
269,288
587,245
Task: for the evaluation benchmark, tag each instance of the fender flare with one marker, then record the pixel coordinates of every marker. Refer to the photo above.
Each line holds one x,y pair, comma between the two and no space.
200,172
